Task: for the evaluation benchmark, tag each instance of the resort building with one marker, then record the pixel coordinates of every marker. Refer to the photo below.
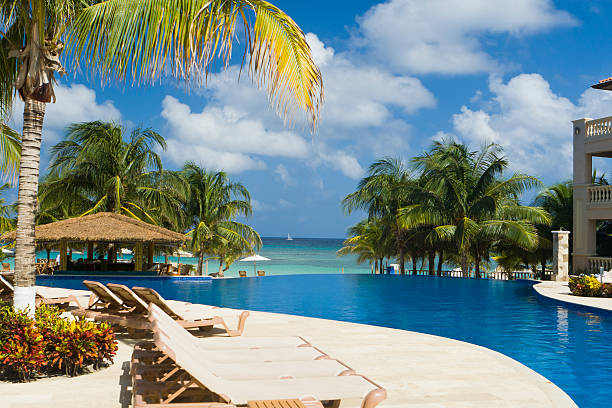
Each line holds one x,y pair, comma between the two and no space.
592,203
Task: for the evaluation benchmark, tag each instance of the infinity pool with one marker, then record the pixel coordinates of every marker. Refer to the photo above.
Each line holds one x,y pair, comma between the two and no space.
570,347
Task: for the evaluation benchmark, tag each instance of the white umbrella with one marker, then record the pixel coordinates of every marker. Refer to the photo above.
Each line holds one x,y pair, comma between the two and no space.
125,251
8,251
255,258
180,252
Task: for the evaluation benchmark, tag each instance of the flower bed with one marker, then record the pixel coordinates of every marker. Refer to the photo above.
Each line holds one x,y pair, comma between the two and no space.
51,345
586,285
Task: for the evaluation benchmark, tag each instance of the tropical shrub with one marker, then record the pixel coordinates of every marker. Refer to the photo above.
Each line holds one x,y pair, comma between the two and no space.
49,344
587,285
22,345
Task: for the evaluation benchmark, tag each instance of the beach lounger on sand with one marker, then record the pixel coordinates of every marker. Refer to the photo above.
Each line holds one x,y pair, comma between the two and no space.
193,321
190,316
6,291
198,378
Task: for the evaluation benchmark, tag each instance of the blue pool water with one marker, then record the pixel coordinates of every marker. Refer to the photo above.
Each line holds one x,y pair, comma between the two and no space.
572,348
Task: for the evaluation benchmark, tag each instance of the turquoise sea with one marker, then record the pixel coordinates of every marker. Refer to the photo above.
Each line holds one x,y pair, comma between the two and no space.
300,256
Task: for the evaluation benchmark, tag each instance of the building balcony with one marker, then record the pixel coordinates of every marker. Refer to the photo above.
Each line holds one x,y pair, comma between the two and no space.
599,196
597,262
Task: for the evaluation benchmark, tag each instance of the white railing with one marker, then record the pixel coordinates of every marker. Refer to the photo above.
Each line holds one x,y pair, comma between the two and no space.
596,262
600,195
599,127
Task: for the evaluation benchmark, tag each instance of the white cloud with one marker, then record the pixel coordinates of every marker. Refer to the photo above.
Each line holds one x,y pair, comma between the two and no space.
225,137
342,161
285,204
445,36
75,103
283,173
531,122
260,206
359,96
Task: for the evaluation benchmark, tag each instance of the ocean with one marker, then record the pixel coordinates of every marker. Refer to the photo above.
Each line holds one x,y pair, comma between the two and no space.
299,256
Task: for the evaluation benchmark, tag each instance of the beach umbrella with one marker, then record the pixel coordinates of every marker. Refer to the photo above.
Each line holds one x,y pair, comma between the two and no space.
181,252
8,251
255,258
125,251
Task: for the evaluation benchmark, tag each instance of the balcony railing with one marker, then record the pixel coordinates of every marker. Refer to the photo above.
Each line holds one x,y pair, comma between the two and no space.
599,127
600,195
596,262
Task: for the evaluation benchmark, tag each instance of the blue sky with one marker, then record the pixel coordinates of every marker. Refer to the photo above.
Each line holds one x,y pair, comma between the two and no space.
397,74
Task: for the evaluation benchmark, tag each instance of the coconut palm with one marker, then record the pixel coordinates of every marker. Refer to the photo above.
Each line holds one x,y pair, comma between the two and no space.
386,189
98,168
143,41
466,201
370,241
10,149
212,206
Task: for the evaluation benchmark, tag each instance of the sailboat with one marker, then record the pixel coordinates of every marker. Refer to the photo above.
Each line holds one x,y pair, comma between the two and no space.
289,237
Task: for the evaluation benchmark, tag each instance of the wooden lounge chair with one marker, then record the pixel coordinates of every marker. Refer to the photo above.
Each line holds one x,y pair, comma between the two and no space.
101,302
261,273
213,388
7,290
138,310
6,266
242,274
196,317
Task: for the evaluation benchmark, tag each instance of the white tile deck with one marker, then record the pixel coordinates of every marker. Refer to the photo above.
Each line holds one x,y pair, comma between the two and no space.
417,370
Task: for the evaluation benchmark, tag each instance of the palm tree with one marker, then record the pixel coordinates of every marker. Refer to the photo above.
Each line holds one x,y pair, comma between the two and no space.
212,206
466,201
144,40
10,149
370,242
97,168
386,189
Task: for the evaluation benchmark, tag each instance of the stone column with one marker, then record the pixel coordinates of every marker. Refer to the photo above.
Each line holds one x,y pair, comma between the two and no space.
561,255
583,229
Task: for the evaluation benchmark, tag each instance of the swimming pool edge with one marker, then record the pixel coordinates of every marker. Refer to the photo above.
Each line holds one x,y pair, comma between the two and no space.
558,293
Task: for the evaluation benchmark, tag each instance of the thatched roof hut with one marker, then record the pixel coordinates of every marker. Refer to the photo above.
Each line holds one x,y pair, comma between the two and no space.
104,227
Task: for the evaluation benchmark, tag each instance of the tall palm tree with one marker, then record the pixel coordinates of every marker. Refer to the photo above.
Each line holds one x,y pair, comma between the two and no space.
143,40
386,189
97,168
212,206
467,202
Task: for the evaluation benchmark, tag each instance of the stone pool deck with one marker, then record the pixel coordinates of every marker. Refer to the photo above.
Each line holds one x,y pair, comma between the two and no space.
418,370
559,292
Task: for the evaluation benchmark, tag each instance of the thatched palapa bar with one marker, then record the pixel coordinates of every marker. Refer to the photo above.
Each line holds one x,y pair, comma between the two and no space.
105,228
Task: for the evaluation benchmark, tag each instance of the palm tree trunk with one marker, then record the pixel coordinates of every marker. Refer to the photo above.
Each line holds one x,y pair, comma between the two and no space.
221,260
380,270
543,263
200,262
477,267
25,248
431,262
414,261
440,262
465,271
402,261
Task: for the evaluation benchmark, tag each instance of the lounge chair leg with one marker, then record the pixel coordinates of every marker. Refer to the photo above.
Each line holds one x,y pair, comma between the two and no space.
374,397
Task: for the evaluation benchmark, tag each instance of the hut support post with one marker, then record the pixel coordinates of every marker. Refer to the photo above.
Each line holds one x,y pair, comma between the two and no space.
90,249
150,254
138,257
63,255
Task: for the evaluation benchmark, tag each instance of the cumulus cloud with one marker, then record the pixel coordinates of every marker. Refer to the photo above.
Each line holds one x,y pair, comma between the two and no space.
445,36
75,103
284,175
532,123
358,96
225,137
